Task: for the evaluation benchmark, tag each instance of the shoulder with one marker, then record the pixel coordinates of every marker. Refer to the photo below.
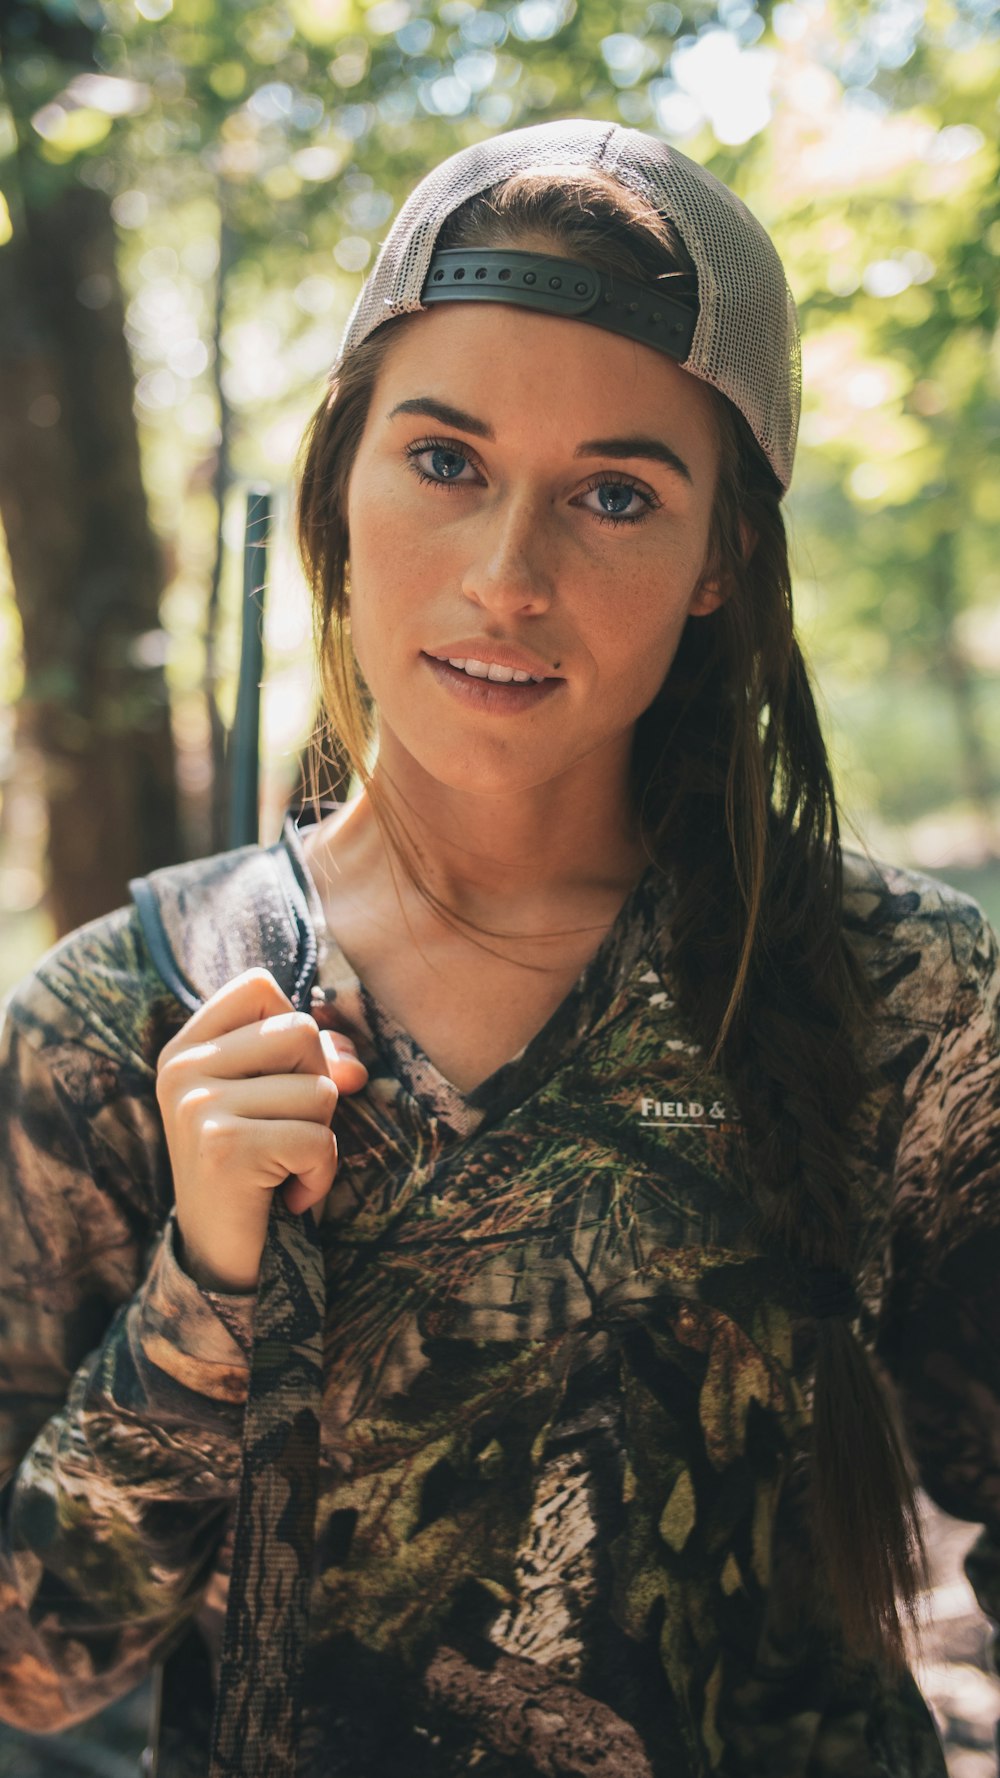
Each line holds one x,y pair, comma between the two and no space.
210,919
97,989
122,985
922,942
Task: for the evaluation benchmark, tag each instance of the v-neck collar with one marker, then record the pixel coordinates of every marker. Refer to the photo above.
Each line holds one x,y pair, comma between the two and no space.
637,930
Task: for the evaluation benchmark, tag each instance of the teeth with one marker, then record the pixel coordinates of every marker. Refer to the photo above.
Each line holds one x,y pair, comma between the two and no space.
499,674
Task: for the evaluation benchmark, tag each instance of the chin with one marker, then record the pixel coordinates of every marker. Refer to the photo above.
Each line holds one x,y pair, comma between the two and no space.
502,774
484,781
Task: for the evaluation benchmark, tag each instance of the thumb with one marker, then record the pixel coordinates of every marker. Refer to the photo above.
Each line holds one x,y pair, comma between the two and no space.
346,1069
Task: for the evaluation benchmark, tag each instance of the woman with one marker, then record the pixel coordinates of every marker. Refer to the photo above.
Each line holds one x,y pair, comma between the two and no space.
634,1252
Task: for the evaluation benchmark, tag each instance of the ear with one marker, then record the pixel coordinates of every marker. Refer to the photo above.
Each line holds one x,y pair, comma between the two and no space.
707,597
748,538
713,590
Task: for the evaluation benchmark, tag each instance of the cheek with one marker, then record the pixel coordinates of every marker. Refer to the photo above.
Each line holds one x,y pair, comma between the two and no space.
395,572
635,629
378,588
393,554
372,526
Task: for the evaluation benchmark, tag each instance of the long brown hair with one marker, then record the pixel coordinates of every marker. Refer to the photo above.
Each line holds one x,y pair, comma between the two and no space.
735,800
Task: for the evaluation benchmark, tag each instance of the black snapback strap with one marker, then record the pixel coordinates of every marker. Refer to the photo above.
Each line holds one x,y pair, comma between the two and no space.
562,287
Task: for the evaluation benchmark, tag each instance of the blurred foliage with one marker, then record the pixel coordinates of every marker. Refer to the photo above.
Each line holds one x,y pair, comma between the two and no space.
254,152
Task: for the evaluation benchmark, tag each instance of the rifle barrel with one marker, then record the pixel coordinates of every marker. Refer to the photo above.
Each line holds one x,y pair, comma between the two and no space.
244,739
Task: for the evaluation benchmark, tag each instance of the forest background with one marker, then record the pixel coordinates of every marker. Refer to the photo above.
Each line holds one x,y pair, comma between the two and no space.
190,194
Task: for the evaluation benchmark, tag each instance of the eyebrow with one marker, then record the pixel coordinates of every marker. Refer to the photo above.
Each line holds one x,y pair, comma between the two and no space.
638,445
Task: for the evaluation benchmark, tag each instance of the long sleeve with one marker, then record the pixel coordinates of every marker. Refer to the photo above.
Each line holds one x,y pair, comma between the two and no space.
940,1329
121,1382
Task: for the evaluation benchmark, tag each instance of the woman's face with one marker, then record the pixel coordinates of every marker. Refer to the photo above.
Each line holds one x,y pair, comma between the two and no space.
536,483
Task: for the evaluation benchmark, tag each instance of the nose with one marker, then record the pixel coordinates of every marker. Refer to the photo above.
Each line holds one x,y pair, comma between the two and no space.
510,569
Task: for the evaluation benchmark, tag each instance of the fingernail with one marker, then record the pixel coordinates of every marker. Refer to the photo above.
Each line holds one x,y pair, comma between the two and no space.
338,1052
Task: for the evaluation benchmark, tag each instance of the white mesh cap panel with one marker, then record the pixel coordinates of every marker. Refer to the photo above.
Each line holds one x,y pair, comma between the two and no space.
746,341
397,277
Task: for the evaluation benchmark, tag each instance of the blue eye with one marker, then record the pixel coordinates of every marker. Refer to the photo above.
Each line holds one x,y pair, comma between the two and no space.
614,500
447,465
618,493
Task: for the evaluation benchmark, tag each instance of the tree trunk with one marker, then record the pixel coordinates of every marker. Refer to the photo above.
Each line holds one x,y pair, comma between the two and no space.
86,567
220,487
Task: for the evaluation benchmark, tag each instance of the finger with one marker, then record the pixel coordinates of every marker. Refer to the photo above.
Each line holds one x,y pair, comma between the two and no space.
310,1185
347,1069
284,1043
299,1197
348,1074
312,1097
325,1017
249,997
264,1151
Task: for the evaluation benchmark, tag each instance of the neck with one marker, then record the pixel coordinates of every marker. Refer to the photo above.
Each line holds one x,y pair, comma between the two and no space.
531,861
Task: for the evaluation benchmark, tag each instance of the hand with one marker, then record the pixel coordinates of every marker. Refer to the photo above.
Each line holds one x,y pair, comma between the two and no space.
247,1090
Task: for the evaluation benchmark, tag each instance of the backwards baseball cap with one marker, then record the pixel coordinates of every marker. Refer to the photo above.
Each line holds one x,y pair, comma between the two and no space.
740,333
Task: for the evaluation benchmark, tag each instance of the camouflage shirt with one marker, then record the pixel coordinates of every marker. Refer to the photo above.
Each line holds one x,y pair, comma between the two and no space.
560,1529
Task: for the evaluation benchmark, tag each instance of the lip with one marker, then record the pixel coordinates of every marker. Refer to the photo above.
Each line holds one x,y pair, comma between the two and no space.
490,695
493,654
